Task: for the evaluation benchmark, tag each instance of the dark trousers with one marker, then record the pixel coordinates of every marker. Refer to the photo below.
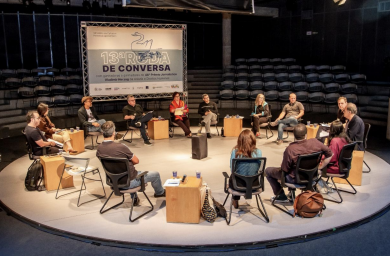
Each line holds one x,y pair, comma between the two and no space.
273,175
143,120
256,123
185,125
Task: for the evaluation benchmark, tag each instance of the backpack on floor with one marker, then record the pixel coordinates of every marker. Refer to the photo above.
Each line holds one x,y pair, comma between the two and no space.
34,177
308,204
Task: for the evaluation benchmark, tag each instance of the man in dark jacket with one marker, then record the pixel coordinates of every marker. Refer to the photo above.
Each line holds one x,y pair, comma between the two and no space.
88,116
209,111
355,125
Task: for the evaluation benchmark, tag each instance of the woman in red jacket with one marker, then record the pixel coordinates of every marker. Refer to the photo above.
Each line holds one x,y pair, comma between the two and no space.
182,120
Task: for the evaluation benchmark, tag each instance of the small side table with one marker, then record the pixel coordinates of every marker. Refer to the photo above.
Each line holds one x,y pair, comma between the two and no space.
158,129
232,126
183,202
311,131
52,171
77,141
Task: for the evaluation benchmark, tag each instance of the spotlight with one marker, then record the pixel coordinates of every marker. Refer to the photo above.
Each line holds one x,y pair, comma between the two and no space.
339,2
67,2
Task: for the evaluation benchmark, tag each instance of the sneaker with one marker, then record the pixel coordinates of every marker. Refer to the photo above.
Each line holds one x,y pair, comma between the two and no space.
280,199
162,195
289,196
257,134
274,123
136,201
138,124
147,143
208,136
279,142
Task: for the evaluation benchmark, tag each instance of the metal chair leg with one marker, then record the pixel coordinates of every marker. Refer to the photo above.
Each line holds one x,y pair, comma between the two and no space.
131,137
369,169
266,132
337,190
103,211
265,215
231,209
284,210
85,188
226,199
132,205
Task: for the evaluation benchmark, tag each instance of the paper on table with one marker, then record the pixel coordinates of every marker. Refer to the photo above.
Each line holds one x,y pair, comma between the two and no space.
58,144
179,111
172,183
324,134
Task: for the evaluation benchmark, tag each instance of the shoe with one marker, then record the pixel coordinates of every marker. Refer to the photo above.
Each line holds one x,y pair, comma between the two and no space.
274,123
118,136
257,134
289,196
279,142
147,143
162,195
189,135
208,136
136,201
235,204
280,199
138,124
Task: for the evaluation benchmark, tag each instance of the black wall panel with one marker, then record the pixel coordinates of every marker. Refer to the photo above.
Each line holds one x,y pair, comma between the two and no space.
28,41
58,44
3,52
72,41
13,41
43,41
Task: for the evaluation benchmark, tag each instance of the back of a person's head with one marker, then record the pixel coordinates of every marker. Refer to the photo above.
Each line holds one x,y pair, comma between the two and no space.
300,131
337,131
352,108
108,129
246,144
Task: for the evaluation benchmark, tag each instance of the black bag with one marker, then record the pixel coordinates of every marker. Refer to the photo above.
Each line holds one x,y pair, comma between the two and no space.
220,209
34,177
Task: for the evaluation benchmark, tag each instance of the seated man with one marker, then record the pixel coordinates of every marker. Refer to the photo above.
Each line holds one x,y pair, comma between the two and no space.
88,116
301,146
355,125
135,113
342,103
109,148
35,137
208,110
292,112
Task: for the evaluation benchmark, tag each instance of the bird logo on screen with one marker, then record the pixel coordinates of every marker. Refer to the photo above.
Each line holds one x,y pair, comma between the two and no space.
142,47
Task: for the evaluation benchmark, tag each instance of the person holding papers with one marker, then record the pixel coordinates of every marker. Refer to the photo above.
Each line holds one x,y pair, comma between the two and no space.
135,114
179,114
209,111
51,132
260,114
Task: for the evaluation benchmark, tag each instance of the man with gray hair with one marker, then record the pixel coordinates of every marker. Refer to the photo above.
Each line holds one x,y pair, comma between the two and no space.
209,111
355,125
109,148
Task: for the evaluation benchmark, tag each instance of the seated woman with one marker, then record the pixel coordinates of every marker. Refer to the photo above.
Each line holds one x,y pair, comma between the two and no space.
245,148
337,140
49,129
260,114
181,120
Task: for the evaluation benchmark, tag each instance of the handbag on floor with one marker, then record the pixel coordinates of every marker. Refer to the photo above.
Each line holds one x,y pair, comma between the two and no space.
34,177
220,209
308,204
207,206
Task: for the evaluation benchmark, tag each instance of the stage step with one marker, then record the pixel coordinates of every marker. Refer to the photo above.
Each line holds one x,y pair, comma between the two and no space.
12,120
11,113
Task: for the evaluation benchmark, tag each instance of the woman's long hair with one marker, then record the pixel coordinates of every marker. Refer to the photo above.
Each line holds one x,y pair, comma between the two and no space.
42,108
258,98
246,144
337,131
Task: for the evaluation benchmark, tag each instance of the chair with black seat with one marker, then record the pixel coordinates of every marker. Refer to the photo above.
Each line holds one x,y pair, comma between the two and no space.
267,124
268,68
22,72
242,76
229,69
252,61
352,98
246,186
358,78
295,77
312,77
240,61
256,85
13,82
271,95
228,76
212,123
45,80
26,92
130,129
305,172
341,78
255,69
281,77
242,69
294,68
80,166
263,61
310,69
323,69
61,80
87,134
118,178
226,85
326,78
255,77
367,128
345,161
301,86
288,61
280,68
31,155
268,77
349,88
275,61
52,71
338,69
29,81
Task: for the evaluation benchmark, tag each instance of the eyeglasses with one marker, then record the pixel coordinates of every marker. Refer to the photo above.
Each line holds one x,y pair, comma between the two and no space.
177,96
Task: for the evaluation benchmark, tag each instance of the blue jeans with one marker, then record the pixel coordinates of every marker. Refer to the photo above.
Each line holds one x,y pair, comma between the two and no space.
143,120
152,177
97,129
291,121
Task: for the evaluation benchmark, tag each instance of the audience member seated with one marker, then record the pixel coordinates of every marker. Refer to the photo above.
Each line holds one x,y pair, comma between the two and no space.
337,140
245,148
88,116
260,114
135,114
51,132
291,113
209,111
181,119
301,146
109,148
355,125
35,137
342,103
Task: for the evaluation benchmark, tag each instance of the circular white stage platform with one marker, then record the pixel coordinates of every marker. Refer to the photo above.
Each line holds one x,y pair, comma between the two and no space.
85,222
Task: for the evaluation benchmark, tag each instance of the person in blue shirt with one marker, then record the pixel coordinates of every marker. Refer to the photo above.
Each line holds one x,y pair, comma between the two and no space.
245,148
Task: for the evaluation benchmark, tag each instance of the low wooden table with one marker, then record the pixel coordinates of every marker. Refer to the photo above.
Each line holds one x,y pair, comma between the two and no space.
356,172
52,171
77,141
232,126
183,202
158,129
311,131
